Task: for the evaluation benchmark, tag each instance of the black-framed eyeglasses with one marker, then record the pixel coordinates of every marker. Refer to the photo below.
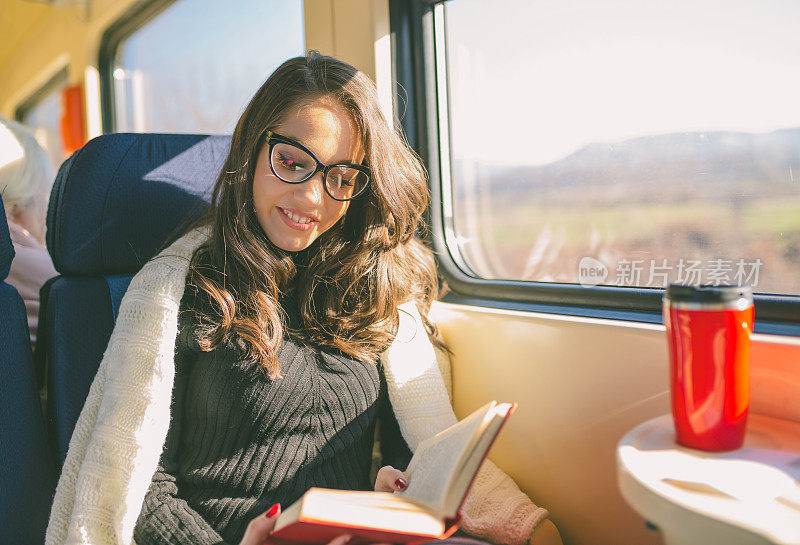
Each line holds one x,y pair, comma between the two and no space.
293,163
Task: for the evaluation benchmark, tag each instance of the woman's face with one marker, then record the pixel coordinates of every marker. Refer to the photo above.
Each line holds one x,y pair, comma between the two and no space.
325,128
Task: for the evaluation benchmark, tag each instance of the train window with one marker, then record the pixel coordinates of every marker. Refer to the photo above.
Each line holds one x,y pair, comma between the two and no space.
42,113
622,143
193,66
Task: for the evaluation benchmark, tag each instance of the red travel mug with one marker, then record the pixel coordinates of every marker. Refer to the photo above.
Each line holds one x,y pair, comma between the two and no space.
708,332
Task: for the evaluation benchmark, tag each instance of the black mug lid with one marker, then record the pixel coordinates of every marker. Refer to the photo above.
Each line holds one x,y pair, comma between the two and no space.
707,293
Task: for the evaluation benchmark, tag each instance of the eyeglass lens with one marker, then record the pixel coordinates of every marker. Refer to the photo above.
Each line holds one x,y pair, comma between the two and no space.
291,164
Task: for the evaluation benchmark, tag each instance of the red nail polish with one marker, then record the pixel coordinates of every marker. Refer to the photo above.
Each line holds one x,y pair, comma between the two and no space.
274,510
401,484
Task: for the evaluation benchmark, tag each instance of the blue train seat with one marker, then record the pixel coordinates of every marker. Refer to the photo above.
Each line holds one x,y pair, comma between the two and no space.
115,203
27,475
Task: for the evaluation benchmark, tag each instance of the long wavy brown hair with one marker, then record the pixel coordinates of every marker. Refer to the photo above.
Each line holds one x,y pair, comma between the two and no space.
355,275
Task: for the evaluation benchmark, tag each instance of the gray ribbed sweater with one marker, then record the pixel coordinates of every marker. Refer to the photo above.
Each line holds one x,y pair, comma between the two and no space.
238,442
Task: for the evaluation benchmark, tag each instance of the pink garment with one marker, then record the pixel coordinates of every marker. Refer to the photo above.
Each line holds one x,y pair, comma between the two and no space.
30,268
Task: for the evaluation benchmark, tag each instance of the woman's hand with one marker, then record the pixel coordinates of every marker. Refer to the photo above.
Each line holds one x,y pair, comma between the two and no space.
259,529
390,479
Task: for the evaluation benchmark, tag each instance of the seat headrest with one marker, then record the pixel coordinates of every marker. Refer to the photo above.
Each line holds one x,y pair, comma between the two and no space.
6,248
118,199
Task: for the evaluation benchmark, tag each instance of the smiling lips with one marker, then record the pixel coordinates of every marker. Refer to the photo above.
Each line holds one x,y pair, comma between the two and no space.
297,221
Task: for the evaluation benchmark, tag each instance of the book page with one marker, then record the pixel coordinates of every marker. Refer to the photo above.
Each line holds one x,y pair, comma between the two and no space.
438,460
378,510
475,456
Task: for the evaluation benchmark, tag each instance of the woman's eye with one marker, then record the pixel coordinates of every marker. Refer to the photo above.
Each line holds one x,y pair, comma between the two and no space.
341,181
289,163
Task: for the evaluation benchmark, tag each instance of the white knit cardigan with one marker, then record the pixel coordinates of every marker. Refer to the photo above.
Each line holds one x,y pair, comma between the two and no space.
120,434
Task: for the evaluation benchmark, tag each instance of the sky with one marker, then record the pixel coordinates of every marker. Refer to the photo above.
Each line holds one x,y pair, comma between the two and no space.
543,78
199,62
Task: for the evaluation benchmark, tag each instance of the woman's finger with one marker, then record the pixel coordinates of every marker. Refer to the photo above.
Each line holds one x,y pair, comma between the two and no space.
259,528
390,480
341,540
345,538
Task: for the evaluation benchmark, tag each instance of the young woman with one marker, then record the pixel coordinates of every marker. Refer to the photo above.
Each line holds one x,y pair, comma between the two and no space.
298,281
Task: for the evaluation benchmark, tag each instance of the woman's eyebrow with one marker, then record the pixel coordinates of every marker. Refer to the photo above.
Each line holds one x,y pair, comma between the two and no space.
293,139
339,161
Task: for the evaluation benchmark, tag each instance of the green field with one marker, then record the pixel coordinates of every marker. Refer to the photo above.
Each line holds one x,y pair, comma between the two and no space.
518,225
533,242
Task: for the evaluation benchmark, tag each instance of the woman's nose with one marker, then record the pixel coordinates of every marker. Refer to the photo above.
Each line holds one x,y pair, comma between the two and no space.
313,189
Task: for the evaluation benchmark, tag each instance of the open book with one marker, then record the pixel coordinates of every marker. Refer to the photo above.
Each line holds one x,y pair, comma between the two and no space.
439,476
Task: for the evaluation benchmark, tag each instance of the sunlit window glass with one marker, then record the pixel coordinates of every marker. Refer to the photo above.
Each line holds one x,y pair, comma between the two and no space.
193,67
44,118
626,143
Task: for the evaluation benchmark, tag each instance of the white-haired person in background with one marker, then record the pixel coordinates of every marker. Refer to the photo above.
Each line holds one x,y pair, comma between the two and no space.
26,176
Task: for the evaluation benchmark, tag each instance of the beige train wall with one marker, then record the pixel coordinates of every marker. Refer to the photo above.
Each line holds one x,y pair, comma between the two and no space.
38,40
581,385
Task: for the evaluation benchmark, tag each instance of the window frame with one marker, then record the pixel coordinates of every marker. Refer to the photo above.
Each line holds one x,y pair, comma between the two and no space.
123,28
56,82
417,68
